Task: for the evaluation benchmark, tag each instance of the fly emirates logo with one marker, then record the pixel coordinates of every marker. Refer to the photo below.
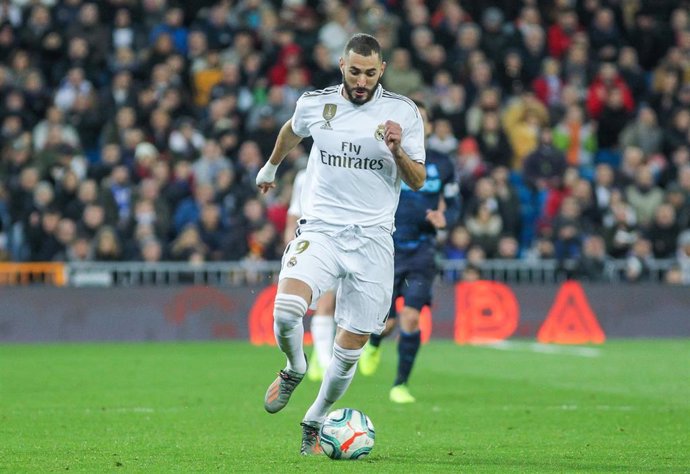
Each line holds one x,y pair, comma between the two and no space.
348,157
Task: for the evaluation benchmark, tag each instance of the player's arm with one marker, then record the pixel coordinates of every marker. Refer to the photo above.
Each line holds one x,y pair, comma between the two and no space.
448,211
286,141
412,172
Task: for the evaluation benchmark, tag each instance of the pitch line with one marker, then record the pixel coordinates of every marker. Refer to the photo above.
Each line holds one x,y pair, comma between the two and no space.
542,348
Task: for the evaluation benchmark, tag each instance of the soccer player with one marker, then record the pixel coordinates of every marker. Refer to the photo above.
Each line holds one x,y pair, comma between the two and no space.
366,140
417,221
322,325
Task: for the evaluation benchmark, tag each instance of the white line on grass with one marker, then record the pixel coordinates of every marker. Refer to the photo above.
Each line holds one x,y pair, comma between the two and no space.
122,410
569,407
542,348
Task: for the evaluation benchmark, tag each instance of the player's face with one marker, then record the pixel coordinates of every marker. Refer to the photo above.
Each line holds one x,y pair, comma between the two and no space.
361,76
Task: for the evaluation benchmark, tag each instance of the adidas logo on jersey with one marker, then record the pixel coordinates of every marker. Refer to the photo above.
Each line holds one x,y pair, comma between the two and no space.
329,111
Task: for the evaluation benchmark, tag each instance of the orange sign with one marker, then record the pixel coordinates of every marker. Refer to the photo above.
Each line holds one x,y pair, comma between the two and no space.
261,317
571,319
425,319
485,311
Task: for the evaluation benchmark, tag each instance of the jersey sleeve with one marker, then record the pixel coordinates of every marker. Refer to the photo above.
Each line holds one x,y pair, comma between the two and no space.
413,137
300,119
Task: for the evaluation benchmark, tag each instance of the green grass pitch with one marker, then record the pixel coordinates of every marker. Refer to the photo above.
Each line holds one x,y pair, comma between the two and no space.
198,407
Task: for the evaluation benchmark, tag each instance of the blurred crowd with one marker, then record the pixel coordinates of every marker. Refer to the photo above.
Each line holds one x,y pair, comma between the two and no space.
133,130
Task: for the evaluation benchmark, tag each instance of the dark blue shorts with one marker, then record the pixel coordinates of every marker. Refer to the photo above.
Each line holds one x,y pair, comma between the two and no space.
415,270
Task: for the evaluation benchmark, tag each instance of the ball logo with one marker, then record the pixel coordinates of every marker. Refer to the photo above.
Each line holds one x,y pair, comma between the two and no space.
380,132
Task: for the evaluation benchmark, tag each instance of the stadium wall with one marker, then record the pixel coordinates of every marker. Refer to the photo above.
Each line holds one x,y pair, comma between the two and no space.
465,312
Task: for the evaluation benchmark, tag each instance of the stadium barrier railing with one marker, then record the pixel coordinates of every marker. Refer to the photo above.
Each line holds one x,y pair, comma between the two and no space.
107,274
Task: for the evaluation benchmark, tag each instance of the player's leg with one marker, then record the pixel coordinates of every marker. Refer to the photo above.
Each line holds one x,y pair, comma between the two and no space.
409,341
417,294
371,355
322,331
308,269
363,296
291,303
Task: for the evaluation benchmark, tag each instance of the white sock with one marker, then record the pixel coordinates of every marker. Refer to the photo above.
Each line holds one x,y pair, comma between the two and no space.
338,376
322,332
288,312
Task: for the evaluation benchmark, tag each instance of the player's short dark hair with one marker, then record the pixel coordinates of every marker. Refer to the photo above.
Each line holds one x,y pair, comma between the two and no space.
363,44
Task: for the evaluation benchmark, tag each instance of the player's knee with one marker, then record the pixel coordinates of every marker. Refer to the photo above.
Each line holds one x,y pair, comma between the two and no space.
347,357
409,319
288,310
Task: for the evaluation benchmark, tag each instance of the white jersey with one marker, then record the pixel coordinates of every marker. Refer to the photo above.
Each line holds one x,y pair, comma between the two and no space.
351,177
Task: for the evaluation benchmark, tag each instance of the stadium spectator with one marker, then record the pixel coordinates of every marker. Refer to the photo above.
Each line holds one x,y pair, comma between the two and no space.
620,228
210,163
602,88
107,246
508,201
482,217
576,138
663,232
457,245
638,262
493,143
451,106
508,248
442,139
632,73
644,132
401,77
511,74
560,34
522,119
644,196
544,167
548,85
189,210
533,48
592,265
568,230
188,246
612,119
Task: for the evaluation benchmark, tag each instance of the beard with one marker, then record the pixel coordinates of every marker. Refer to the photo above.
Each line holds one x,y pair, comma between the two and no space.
361,99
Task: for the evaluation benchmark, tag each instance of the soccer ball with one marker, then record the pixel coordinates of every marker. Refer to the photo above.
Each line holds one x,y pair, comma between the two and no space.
347,434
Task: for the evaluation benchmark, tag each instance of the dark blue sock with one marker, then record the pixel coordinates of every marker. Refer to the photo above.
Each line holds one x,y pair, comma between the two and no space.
408,345
375,340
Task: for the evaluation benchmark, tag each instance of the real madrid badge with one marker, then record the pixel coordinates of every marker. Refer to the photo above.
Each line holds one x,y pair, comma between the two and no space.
380,132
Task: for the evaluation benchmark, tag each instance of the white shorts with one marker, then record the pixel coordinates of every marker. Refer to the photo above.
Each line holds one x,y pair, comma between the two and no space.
360,259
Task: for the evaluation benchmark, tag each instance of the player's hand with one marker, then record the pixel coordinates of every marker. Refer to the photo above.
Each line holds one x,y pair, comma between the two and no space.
265,178
392,136
437,218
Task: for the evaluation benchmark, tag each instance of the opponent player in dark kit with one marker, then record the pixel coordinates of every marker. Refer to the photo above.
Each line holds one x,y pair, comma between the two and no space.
417,220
